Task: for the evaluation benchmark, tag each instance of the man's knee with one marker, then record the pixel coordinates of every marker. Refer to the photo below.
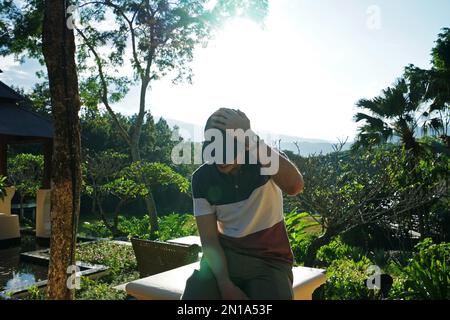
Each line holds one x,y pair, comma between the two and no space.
269,289
272,283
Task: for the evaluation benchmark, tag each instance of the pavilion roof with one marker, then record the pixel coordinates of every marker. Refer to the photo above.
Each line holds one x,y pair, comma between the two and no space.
19,121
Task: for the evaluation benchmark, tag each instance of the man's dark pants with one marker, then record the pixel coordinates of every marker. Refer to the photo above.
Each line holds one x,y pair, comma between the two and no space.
259,279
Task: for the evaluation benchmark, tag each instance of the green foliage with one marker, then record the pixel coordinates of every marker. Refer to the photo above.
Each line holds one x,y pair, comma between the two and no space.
21,25
346,280
135,227
124,188
397,291
99,132
299,238
110,176
336,185
338,250
122,266
428,272
300,245
35,294
156,174
427,174
176,30
388,115
424,276
399,110
37,98
380,257
103,167
176,225
98,290
118,257
25,173
2,187
170,226
96,228
441,51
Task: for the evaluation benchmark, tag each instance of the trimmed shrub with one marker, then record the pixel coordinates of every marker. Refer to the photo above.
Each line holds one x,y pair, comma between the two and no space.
428,272
346,280
337,250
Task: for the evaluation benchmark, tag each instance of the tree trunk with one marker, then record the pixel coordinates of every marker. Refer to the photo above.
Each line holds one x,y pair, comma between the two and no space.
115,226
97,203
315,246
59,49
149,201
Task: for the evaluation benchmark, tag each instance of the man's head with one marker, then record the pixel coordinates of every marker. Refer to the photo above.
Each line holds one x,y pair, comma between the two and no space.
217,124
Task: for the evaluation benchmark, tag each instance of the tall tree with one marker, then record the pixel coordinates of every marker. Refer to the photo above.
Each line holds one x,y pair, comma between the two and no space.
162,35
157,37
392,114
435,83
58,45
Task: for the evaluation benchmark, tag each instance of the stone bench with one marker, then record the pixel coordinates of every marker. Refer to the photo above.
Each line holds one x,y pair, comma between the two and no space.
170,285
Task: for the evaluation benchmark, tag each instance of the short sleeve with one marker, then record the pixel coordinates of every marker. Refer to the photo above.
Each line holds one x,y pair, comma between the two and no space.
201,204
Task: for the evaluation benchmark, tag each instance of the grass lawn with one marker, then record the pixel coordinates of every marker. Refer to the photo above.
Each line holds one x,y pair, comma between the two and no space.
313,226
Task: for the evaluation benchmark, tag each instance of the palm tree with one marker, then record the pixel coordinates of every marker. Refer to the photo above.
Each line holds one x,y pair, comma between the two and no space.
389,115
436,86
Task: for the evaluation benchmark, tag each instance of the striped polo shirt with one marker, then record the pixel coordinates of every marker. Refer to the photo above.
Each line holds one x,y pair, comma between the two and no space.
248,207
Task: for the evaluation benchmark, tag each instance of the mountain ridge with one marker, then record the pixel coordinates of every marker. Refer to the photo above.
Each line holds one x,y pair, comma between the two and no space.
306,146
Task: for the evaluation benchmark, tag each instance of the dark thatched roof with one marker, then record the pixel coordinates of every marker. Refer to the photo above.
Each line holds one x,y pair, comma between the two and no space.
8,94
18,121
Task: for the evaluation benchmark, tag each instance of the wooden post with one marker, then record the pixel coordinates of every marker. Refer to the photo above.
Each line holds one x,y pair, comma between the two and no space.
3,156
48,153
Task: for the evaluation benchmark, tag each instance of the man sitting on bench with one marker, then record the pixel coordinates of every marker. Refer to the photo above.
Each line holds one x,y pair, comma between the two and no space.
238,205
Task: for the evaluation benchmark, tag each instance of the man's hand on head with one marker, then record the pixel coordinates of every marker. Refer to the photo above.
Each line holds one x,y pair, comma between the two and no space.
230,119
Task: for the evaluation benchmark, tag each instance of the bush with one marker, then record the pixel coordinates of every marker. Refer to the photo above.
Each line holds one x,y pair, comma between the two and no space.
370,236
2,187
428,272
35,294
171,226
133,226
347,271
176,225
122,266
118,257
25,173
337,250
397,291
346,280
299,244
95,229
297,226
98,290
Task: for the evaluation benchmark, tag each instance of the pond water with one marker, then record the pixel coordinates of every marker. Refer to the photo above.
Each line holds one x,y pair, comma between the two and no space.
21,276
16,274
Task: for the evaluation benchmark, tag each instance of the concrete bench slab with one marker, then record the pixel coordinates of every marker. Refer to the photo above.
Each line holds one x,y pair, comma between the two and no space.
170,285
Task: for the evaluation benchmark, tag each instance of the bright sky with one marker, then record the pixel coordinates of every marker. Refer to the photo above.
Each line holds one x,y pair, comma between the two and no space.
303,73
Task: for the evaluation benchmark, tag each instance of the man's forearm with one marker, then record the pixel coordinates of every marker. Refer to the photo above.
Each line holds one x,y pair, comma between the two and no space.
287,177
218,263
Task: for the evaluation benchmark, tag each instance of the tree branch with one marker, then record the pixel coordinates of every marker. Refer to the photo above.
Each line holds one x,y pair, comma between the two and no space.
104,94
